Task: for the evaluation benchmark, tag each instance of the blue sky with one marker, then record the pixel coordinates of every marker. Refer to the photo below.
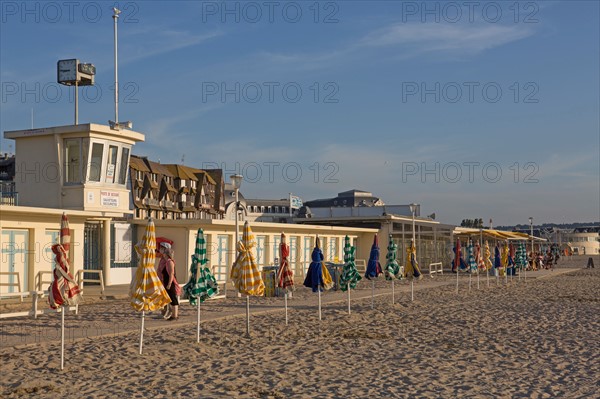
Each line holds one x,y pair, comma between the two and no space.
486,110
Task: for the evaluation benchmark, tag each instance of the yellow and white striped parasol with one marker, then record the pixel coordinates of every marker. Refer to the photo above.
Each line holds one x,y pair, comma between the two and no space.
146,290
245,274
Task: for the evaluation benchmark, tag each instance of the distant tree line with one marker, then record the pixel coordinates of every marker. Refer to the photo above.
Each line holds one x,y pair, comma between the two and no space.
473,223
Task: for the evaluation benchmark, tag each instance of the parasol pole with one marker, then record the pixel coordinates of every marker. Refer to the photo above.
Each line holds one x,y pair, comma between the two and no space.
372,294
319,290
488,277
470,279
248,314
286,312
393,291
477,279
457,279
198,329
412,289
142,332
348,298
62,339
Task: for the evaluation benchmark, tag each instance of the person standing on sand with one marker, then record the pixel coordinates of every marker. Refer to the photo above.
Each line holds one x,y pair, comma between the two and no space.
167,276
590,264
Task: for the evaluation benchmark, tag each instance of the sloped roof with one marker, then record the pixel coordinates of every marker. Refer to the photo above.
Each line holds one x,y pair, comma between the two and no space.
181,171
138,164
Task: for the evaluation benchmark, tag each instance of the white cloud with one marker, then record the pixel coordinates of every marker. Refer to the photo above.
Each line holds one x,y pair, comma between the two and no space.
161,41
435,37
411,40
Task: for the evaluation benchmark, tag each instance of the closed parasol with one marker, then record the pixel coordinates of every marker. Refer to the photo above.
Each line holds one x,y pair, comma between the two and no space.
202,284
373,268
285,275
146,291
412,266
350,275
317,276
244,274
63,290
392,268
487,261
412,270
504,259
472,263
457,257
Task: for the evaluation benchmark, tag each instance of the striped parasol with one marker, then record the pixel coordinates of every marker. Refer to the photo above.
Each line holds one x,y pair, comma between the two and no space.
350,275
521,260
392,268
479,257
285,275
471,257
412,266
244,273
504,259
487,257
202,284
146,291
373,266
63,289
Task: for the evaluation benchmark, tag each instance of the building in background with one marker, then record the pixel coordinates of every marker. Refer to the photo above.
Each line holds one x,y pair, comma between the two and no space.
8,193
171,191
583,240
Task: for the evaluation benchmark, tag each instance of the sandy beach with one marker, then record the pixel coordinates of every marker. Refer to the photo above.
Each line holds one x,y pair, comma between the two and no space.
534,339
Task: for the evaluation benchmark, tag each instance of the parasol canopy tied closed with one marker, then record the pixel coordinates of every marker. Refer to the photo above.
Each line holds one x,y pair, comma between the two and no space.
245,275
63,289
146,290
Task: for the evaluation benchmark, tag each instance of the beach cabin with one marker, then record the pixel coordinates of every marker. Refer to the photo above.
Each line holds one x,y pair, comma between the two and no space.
78,169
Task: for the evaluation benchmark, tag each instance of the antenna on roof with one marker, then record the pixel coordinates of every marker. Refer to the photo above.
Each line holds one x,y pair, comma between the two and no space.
182,158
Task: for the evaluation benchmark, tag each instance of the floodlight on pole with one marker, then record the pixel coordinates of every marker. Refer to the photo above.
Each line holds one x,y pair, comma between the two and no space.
413,209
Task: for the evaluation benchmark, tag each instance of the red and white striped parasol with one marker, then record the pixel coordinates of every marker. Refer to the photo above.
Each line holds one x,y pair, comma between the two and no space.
63,289
285,275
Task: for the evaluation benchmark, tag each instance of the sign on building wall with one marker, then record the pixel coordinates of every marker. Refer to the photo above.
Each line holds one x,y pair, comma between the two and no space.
109,198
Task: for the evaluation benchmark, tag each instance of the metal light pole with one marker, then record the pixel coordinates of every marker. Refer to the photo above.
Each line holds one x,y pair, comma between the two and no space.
236,182
530,233
413,209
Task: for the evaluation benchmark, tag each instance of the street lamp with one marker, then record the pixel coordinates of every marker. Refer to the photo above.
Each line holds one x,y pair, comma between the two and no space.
413,209
236,183
532,254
